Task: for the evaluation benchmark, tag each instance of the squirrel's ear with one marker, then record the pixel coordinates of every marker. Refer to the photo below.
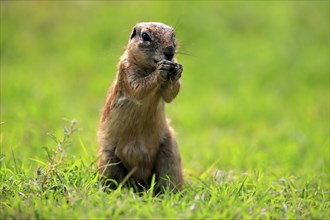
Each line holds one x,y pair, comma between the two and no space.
133,33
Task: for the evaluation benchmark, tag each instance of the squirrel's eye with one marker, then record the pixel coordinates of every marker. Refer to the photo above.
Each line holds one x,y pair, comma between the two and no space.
146,37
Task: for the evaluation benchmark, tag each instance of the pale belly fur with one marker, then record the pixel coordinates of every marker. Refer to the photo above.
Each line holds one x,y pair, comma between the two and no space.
141,128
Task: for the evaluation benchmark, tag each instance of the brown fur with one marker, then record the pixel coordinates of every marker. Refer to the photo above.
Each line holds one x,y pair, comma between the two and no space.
134,135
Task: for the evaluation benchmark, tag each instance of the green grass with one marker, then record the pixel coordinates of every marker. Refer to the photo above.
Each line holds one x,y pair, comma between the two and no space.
252,118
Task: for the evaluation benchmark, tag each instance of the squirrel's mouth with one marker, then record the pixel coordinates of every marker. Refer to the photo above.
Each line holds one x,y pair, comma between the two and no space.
156,61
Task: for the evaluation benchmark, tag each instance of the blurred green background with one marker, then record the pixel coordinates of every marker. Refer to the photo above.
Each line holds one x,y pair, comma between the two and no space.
255,91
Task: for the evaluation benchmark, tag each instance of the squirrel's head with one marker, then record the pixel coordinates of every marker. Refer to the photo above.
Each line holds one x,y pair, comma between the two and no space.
151,42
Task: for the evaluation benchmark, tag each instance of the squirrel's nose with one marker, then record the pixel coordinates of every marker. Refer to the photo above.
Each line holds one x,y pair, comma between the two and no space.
169,52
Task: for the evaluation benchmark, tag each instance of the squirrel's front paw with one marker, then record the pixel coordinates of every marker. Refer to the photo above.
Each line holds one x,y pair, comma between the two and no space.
169,70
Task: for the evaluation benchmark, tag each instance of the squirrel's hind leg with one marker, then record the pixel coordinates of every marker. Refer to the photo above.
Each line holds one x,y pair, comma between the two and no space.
111,169
168,165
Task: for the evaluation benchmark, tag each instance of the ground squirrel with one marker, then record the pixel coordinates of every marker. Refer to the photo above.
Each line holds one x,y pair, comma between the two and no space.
134,136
